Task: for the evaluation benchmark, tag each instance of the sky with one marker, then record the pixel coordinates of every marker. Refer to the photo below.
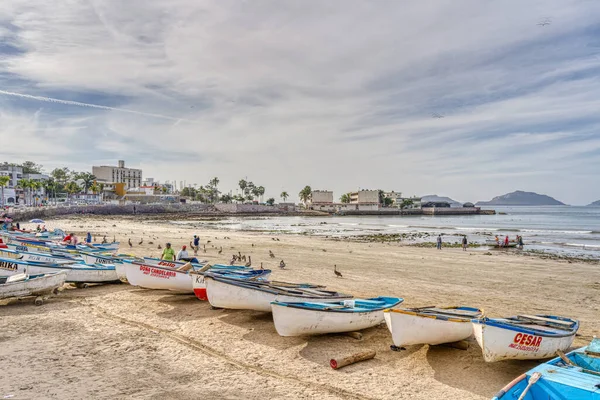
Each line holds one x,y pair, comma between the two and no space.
335,94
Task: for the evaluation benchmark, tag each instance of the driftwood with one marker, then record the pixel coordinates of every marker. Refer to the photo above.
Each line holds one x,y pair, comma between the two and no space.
461,345
355,335
337,363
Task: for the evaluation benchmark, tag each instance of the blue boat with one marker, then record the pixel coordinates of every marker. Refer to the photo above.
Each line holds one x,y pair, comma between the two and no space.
310,318
575,376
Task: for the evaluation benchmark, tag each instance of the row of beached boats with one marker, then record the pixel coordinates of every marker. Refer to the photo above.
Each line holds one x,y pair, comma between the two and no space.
300,309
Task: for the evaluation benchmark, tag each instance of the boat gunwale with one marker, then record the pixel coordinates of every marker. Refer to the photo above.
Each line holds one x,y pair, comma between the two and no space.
531,331
297,306
442,317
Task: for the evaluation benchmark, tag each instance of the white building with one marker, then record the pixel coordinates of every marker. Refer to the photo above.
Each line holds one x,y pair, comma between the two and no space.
398,200
14,173
321,200
367,200
109,175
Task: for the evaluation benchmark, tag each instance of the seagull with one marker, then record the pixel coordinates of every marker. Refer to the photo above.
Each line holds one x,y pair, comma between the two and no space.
261,267
249,263
244,257
544,22
221,250
281,264
104,240
271,254
130,245
141,241
336,272
159,247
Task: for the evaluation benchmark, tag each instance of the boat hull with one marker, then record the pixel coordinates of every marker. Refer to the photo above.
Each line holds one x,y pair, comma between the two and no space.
301,322
226,295
91,259
410,329
37,286
499,344
153,277
77,273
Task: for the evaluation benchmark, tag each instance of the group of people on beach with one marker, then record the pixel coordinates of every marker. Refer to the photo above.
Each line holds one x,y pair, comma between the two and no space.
168,253
499,243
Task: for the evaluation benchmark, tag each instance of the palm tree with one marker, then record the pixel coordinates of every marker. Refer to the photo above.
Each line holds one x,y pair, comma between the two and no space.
37,185
243,185
101,189
345,198
3,182
214,192
72,188
261,191
49,187
25,184
284,195
87,178
305,194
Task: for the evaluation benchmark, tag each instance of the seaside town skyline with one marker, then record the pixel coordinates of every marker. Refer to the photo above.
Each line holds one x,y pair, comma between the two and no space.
274,91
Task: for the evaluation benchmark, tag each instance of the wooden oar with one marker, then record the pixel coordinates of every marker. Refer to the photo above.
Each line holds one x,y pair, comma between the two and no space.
534,378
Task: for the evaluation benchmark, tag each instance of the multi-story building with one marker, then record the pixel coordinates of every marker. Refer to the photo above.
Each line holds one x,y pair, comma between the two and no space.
367,200
398,200
321,200
13,172
110,175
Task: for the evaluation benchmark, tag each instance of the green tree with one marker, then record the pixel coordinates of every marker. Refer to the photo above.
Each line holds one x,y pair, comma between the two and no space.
284,195
3,182
61,175
387,201
50,188
226,198
270,201
35,186
188,192
86,177
26,185
381,196
243,185
72,188
213,191
406,203
261,191
305,194
29,167
345,198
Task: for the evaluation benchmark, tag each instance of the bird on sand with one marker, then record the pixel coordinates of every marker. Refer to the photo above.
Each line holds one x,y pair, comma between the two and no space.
220,250
281,264
271,254
130,244
336,272
249,263
159,247
141,241
104,240
261,267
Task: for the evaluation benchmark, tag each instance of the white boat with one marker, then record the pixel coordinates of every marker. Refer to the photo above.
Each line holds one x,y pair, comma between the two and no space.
524,337
49,258
155,277
77,273
300,319
99,259
22,285
430,325
225,292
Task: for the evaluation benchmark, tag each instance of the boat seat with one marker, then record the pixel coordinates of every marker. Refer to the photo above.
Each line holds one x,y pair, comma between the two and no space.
16,278
551,320
329,305
373,302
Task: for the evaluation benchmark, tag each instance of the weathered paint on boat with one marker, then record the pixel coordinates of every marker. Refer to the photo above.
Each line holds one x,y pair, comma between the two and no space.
559,380
78,273
33,285
300,319
514,338
155,277
240,295
430,325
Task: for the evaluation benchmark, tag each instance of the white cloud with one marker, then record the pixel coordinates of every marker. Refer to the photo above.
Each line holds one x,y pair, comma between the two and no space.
334,94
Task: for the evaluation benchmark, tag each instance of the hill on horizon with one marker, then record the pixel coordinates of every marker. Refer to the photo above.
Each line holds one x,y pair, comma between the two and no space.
594,204
521,198
436,198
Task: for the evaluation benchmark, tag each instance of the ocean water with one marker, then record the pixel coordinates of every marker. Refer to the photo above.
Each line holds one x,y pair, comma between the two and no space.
565,230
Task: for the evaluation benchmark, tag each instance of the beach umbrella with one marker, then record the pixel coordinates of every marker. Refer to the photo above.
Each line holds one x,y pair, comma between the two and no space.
37,221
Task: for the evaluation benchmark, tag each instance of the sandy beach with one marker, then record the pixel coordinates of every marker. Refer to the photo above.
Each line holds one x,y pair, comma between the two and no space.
119,341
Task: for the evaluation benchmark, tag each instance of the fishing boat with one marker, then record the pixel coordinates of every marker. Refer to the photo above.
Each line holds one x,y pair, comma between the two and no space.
102,259
76,273
23,285
524,337
231,293
50,258
500,244
157,262
430,325
575,375
156,277
300,319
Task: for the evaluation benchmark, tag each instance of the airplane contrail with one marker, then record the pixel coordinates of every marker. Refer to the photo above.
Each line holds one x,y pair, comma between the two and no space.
80,104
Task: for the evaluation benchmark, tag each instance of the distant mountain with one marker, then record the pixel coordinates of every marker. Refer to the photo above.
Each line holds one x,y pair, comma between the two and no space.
520,198
436,198
594,204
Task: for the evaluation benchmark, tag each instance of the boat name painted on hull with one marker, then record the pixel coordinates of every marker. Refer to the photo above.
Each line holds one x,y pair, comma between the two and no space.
159,273
167,264
9,266
525,342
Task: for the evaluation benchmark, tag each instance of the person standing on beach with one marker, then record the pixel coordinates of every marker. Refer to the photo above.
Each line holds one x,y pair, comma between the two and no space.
465,243
506,241
88,238
196,244
168,253
134,210
439,242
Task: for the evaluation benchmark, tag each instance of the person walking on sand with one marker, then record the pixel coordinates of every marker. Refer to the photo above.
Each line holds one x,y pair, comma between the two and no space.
168,253
88,238
196,245
439,242
134,209
465,243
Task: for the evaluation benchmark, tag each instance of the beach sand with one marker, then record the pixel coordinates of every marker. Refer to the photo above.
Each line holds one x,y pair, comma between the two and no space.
119,341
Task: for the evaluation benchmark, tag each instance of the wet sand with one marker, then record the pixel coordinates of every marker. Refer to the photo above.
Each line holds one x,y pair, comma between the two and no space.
118,341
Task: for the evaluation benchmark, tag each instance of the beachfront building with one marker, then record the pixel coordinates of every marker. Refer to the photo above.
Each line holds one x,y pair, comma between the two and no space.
111,175
366,200
13,172
321,200
405,203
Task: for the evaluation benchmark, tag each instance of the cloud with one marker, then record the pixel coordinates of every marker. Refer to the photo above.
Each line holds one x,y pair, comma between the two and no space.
330,94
